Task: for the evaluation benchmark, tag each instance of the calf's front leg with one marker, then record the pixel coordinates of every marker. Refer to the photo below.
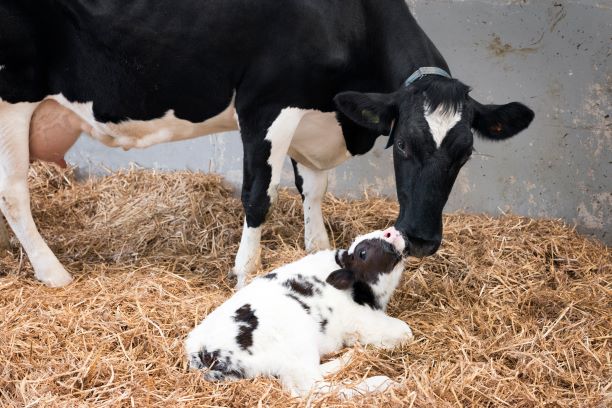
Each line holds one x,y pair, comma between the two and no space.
15,195
266,137
374,327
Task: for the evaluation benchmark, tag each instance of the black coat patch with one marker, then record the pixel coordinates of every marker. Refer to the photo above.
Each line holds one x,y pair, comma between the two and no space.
297,299
300,286
219,367
323,324
363,295
247,323
270,276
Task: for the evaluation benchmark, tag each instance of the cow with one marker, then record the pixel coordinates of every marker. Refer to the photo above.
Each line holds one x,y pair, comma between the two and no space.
317,80
282,323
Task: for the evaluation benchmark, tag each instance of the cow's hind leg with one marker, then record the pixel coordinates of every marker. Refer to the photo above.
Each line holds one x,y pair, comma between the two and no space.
266,137
15,195
5,242
312,185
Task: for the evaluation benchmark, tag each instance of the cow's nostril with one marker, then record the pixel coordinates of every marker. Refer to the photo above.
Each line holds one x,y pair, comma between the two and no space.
387,235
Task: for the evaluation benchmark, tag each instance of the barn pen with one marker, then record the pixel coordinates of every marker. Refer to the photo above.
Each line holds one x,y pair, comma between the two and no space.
511,311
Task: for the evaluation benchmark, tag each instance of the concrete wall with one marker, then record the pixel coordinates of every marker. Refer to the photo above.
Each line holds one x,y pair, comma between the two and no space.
554,56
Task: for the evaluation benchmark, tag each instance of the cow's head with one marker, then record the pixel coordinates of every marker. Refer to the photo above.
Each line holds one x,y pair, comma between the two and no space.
430,126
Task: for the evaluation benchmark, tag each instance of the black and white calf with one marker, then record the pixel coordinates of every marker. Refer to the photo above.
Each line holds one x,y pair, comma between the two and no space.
283,322
317,80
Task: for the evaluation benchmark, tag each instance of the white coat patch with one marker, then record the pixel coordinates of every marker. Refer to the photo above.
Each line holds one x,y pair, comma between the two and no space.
441,121
280,135
144,133
318,142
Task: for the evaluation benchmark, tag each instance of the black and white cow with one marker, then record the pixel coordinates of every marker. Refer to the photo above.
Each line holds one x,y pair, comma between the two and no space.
319,80
281,323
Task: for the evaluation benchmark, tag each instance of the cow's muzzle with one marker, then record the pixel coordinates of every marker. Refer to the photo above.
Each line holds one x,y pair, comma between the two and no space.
412,246
420,247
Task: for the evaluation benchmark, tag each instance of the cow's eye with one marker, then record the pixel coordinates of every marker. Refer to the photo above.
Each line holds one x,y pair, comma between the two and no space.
402,148
362,254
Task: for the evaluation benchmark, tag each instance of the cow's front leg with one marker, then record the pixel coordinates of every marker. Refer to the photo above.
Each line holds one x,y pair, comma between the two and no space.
312,185
15,195
266,137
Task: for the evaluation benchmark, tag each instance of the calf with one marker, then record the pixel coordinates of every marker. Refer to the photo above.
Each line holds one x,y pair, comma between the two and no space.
283,322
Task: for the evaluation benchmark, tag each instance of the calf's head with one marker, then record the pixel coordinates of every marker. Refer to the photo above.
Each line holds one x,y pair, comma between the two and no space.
430,126
371,267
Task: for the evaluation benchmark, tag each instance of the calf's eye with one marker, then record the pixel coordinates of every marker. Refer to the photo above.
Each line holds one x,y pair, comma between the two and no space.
362,254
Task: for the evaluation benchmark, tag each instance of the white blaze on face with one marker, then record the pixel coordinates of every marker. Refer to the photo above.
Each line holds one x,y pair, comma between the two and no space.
441,121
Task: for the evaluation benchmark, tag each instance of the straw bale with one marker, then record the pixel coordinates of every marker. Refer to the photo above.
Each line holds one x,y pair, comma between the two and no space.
511,311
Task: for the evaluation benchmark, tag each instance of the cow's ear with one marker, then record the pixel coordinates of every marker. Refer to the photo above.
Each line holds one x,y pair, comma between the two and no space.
499,122
341,279
374,111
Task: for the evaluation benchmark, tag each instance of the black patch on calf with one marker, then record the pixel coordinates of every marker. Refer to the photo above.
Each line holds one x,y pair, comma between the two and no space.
247,323
297,299
219,367
323,324
338,258
318,281
301,286
363,295
270,276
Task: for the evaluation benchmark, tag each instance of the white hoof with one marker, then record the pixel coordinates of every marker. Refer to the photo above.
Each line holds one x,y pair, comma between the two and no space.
55,277
318,243
240,282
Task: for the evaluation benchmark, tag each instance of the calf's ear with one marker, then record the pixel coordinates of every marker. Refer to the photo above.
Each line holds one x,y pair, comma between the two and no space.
499,122
341,279
374,111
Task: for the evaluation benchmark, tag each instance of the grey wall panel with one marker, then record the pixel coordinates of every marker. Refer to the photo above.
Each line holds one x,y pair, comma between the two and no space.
553,55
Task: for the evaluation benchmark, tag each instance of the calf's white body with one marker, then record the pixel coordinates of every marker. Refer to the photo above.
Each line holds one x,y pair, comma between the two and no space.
282,323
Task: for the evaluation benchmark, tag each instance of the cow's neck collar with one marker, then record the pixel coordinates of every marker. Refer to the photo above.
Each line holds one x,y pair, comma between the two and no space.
421,72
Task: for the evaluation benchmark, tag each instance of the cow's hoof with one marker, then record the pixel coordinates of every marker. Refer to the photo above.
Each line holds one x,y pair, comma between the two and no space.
240,282
244,267
318,243
56,278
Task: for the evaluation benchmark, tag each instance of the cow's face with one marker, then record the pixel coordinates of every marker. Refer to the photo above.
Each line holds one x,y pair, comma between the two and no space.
430,125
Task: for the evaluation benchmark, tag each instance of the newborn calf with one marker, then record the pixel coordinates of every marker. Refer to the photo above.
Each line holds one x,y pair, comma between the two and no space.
283,322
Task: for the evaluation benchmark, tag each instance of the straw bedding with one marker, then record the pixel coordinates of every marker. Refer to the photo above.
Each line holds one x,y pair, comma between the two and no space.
511,311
